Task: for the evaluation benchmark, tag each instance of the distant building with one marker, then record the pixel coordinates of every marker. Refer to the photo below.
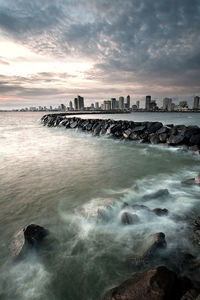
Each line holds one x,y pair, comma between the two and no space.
51,108
97,105
80,102
167,104
138,104
113,103
196,102
62,107
147,103
121,102
128,101
153,106
107,105
70,105
92,106
75,103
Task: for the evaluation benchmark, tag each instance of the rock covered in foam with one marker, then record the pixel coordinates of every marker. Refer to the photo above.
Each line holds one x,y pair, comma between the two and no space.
28,238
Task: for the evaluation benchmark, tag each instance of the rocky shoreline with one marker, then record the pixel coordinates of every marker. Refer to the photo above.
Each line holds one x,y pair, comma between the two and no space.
186,137
159,279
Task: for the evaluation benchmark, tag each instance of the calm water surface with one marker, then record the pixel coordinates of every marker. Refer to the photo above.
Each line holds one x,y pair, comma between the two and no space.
61,179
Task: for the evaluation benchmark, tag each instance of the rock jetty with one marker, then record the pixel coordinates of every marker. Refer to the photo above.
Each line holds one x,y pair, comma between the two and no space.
141,132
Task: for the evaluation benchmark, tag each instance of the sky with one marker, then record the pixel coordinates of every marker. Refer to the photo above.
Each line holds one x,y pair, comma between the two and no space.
52,50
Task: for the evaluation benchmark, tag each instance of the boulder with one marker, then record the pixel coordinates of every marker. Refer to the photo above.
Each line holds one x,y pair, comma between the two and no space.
134,136
127,133
74,125
30,237
192,294
188,181
128,218
190,131
154,127
154,139
175,139
151,244
159,283
160,211
162,130
97,129
158,194
139,129
163,137
195,139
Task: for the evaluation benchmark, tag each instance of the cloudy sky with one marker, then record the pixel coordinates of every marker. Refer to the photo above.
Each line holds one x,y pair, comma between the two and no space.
52,50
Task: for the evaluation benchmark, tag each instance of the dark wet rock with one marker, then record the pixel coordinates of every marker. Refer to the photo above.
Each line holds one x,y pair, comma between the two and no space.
74,124
140,207
139,129
159,283
158,194
175,139
97,129
152,244
170,125
30,237
163,137
154,127
128,218
162,130
160,211
188,181
127,133
195,139
190,131
154,139
134,136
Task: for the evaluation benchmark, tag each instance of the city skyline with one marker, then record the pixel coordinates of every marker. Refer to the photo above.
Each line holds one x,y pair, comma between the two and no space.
51,50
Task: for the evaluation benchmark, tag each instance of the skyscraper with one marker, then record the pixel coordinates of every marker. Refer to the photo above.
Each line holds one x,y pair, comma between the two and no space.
75,103
128,100
121,102
62,107
97,105
167,104
107,105
148,103
138,104
196,102
113,103
70,105
80,102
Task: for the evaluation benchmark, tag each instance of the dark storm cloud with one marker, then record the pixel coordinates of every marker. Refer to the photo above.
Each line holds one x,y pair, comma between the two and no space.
137,40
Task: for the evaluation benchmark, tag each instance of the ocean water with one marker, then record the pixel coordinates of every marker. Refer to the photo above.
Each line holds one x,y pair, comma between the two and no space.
75,185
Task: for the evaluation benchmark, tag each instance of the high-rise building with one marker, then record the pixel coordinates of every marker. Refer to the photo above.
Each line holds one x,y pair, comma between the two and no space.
183,104
80,102
121,102
128,101
113,103
97,105
196,102
167,104
75,103
62,107
107,105
70,105
148,103
138,104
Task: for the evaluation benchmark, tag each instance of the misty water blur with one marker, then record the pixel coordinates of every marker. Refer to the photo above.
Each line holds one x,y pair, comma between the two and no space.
75,185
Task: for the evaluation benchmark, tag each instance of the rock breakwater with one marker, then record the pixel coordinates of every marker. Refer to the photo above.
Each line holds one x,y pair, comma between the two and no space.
142,132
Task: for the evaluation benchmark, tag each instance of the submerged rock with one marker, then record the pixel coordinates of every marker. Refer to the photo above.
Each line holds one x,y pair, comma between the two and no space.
188,181
197,179
28,238
155,284
152,243
158,194
128,218
160,211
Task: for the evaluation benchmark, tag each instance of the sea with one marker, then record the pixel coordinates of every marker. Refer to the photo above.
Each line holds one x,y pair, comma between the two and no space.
78,186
